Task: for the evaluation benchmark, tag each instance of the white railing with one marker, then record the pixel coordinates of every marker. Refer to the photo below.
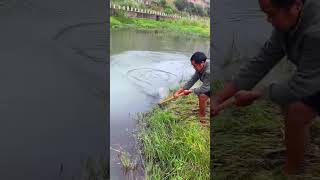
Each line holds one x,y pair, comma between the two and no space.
152,12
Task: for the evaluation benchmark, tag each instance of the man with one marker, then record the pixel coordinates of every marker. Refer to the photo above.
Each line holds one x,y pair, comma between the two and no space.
296,35
198,61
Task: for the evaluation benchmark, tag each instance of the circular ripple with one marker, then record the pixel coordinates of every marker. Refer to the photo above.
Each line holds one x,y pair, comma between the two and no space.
150,80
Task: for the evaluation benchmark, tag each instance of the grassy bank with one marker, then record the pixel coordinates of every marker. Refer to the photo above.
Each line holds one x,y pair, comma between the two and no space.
174,144
181,26
248,144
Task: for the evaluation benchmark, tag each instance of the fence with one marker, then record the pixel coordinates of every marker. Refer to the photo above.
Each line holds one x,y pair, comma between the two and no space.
146,13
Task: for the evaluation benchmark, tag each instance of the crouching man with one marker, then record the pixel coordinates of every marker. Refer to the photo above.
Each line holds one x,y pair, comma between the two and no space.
202,73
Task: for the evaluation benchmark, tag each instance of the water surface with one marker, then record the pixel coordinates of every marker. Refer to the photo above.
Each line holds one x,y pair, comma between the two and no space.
143,66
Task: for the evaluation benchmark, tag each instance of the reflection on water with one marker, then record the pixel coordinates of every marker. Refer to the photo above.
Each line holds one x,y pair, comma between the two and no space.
143,66
128,40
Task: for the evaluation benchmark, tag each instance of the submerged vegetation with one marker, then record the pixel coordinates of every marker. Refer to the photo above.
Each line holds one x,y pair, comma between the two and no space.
127,163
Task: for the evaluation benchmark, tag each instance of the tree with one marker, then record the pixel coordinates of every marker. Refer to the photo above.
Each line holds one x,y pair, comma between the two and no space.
207,11
163,3
181,5
199,10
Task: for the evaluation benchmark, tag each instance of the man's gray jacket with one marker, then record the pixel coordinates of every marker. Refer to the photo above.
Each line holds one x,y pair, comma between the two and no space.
301,45
204,76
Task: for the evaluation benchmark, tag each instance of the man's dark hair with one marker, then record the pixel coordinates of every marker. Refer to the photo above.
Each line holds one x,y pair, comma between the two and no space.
198,57
283,3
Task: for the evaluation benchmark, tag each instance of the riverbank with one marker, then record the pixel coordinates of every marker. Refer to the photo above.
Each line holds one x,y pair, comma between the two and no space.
248,144
174,144
199,28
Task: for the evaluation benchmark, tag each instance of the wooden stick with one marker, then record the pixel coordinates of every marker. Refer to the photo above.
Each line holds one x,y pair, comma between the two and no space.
166,100
169,99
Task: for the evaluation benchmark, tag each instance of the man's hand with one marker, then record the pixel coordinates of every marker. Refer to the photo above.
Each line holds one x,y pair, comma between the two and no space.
245,98
228,91
178,92
241,98
187,92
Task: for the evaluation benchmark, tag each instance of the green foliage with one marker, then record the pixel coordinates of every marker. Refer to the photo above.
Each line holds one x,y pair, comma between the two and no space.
187,26
120,21
198,10
178,6
130,3
169,9
163,3
184,5
120,14
181,5
114,22
207,12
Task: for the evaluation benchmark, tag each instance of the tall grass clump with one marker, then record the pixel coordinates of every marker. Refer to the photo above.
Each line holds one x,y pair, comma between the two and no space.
174,144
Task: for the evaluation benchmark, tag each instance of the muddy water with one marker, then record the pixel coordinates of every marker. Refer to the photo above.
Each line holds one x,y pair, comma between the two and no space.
143,66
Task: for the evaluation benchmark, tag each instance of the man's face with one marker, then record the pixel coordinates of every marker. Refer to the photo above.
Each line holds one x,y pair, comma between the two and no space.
197,67
282,19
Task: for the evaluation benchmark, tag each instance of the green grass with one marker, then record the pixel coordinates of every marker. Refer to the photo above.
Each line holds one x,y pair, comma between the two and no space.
248,143
199,28
174,144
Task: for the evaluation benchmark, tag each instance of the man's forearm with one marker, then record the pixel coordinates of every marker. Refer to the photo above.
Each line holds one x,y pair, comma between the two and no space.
257,67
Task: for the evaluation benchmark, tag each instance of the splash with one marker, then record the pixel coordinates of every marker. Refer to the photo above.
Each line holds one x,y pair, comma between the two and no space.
163,92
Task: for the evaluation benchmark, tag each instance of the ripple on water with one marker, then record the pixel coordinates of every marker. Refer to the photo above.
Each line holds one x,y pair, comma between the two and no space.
151,81
152,73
